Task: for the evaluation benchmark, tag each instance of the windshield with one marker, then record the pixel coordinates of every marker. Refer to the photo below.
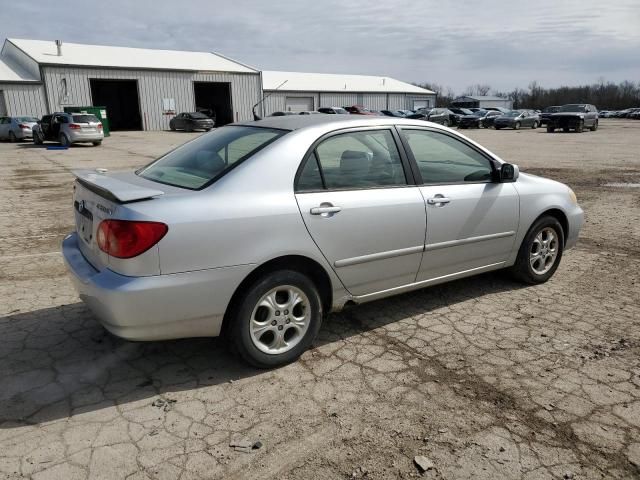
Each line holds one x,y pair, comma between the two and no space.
572,108
85,119
27,119
200,162
551,109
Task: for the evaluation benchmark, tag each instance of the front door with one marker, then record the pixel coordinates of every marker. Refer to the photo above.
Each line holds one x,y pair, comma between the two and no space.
471,220
361,209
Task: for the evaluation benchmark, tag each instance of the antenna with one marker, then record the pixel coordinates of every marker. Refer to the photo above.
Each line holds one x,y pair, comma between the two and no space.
253,109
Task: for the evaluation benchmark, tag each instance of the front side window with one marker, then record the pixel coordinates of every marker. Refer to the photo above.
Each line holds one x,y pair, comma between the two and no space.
354,160
200,162
444,159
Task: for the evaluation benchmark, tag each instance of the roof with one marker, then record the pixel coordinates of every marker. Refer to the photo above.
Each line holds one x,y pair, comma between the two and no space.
10,71
481,97
331,82
45,53
298,122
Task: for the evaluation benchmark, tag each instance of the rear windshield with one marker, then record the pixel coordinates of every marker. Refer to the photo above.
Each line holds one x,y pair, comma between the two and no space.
198,115
85,119
27,119
200,162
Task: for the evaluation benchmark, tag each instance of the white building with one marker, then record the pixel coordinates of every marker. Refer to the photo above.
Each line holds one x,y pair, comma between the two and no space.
310,91
140,88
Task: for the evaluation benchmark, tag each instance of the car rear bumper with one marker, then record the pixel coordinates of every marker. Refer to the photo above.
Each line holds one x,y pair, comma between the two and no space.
158,307
77,137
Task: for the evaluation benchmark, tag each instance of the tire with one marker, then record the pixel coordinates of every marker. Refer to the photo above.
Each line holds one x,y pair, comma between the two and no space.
531,271
445,123
496,127
172,127
64,140
252,332
535,125
37,139
565,129
12,137
595,126
580,127
550,129
97,144
516,126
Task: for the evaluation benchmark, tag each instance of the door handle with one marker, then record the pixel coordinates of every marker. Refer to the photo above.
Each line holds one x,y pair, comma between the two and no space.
325,209
438,200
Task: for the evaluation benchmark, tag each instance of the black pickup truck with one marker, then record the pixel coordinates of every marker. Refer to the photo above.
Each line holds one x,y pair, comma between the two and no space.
547,112
575,116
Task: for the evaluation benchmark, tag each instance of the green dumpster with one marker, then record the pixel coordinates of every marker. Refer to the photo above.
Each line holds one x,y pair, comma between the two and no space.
100,112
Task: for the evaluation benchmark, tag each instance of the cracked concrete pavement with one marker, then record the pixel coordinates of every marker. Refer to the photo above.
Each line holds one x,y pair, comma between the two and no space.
487,378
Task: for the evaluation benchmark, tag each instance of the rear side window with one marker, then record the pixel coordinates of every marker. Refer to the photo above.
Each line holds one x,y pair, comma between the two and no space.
444,159
85,119
355,160
200,162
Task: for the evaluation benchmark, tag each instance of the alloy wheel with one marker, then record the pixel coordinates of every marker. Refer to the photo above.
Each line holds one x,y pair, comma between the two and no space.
544,251
280,319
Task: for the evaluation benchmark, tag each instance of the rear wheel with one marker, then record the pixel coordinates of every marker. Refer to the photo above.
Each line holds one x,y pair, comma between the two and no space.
276,320
565,129
64,140
540,252
97,144
517,126
12,137
172,127
535,125
37,139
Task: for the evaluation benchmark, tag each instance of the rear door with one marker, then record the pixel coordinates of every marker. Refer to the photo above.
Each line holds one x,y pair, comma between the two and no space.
471,220
358,201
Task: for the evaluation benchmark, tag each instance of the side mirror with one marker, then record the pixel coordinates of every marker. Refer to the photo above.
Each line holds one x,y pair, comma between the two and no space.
509,172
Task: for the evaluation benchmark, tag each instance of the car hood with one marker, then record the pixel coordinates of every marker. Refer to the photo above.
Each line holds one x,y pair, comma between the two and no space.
568,114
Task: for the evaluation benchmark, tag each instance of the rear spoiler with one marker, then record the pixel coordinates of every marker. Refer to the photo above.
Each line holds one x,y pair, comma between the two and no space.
113,188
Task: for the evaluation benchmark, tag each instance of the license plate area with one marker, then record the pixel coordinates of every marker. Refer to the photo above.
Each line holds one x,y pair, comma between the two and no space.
84,222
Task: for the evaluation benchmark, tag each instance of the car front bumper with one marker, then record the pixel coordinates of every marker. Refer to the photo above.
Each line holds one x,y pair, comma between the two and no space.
158,307
575,220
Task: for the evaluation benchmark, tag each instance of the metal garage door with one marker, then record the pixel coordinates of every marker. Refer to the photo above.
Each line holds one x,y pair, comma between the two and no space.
3,105
299,104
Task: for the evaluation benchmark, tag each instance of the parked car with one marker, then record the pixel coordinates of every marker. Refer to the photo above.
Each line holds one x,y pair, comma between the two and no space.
68,128
407,112
546,113
190,121
489,118
516,119
575,116
461,111
443,116
359,110
333,110
474,120
498,109
17,128
635,115
393,113
310,112
168,251
282,114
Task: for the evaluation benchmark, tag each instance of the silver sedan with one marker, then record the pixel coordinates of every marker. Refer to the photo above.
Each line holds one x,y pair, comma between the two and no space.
257,230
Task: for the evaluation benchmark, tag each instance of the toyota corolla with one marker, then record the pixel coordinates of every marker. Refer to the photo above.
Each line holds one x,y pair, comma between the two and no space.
257,230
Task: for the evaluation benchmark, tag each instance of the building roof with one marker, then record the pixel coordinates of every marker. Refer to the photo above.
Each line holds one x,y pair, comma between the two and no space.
11,72
482,97
45,53
330,82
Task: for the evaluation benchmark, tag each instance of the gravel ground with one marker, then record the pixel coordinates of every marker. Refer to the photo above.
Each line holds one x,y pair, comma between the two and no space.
485,378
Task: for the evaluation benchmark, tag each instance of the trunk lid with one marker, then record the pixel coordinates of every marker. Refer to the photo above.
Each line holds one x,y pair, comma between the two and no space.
99,196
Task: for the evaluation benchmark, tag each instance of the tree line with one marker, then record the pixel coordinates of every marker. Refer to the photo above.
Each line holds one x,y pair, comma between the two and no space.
604,95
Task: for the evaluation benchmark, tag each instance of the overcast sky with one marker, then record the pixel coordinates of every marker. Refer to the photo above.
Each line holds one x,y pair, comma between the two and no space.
504,44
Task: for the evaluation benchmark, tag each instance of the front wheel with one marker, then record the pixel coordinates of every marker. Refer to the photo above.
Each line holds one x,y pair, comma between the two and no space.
535,125
517,126
550,129
37,139
580,127
276,320
540,252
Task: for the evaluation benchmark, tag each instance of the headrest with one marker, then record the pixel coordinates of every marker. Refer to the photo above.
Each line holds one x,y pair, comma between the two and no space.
354,163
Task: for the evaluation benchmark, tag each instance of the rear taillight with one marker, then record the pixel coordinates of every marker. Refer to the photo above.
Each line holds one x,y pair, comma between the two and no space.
127,239
74,126
99,126
24,127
